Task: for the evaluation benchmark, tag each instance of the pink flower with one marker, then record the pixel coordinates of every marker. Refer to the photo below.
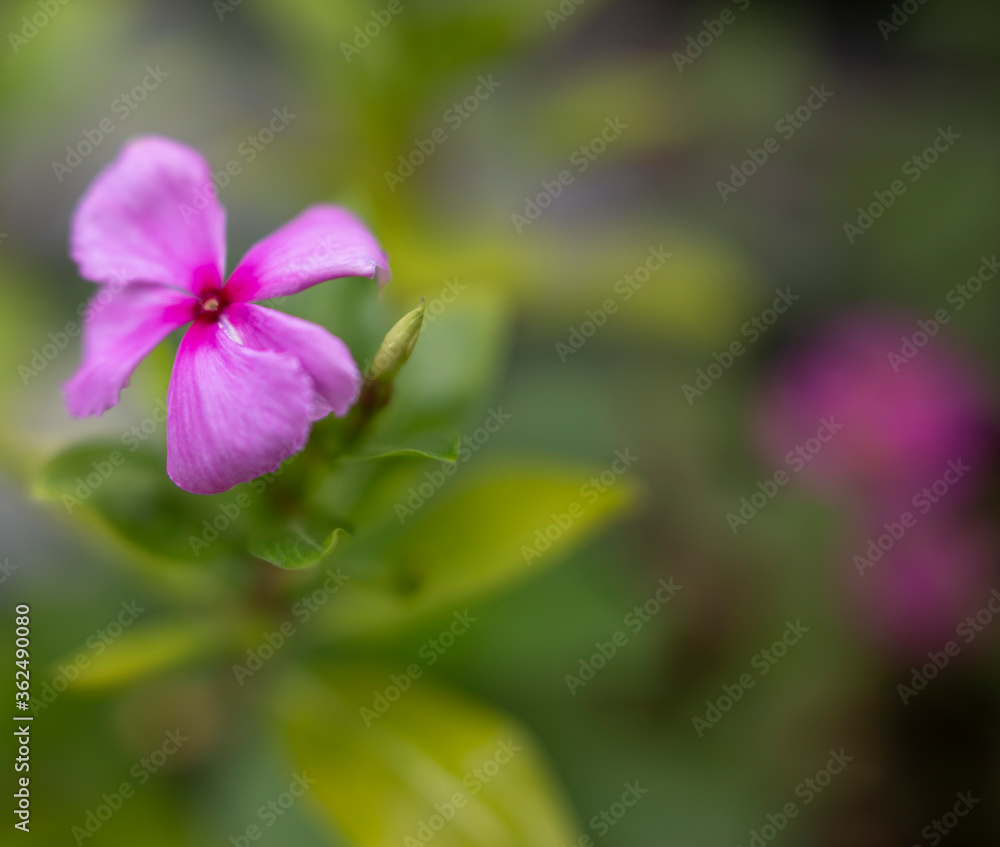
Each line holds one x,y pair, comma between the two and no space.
902,422
248,381
912,596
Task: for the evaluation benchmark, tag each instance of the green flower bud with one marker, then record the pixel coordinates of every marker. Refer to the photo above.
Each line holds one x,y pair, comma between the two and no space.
397,346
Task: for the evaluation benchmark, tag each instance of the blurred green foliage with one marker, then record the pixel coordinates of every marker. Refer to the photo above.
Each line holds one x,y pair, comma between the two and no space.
491,348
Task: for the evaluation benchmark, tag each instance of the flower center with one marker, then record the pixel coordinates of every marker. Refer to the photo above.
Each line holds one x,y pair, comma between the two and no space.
210,304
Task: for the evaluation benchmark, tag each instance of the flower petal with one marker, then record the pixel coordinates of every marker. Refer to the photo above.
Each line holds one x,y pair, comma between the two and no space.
233,413
152,216
120,328
324,242
324,357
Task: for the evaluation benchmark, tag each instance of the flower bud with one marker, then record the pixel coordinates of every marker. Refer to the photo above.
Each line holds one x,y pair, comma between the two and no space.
397,346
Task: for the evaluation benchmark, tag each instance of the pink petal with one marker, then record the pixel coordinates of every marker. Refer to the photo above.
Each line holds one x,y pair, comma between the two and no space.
152,216
324,242
233,413
324,357
120,328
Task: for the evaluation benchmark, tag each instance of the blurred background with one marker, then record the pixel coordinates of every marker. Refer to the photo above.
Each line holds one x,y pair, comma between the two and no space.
749,245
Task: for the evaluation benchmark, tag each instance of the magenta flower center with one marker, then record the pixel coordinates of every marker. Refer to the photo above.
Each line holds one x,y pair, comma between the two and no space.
210,304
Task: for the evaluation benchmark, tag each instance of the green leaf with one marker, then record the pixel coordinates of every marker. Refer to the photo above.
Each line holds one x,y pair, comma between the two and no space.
475,536
379,777
437,446
142,652
301,544
129,496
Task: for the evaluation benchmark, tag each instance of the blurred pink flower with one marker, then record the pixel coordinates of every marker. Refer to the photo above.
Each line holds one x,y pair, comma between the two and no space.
916,442
902,422
248,381
914,597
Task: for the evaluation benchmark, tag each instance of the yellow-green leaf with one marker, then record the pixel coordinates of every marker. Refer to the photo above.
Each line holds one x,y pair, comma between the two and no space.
477,535
108,662
432,763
